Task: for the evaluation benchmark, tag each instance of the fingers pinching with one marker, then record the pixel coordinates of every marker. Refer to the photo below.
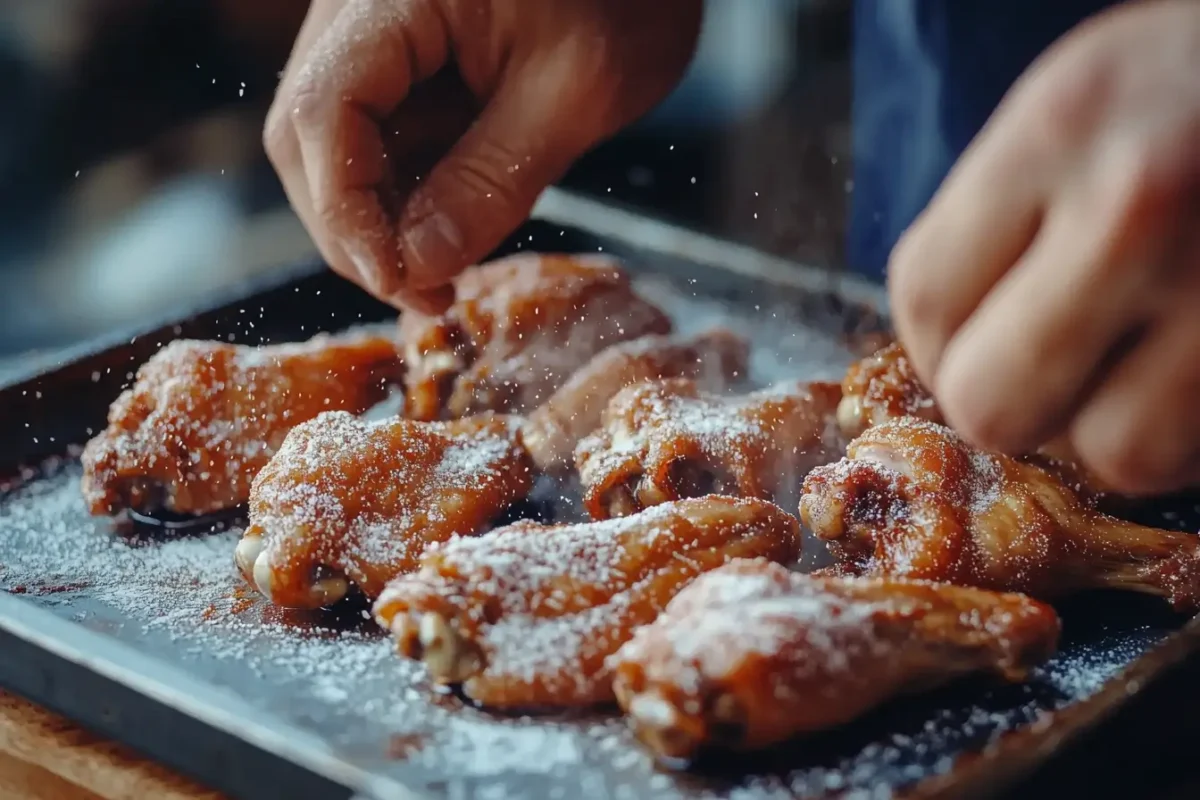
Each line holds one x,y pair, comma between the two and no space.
357,71
524,140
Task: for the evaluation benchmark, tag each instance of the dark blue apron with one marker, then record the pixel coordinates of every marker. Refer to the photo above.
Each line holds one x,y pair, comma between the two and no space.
927,74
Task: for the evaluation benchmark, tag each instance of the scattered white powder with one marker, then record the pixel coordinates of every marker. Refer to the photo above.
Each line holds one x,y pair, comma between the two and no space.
181,601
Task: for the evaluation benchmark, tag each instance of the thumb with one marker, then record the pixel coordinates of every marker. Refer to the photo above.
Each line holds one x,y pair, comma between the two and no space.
483,189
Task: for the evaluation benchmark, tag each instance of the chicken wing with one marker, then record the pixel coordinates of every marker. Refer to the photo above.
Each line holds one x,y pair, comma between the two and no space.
351,502
518,329
668,440
913,499
524,616
880,387
203,417
752,654
885,386
714,359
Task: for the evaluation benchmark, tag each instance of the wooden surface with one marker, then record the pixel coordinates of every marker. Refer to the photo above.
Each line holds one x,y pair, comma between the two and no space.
45,757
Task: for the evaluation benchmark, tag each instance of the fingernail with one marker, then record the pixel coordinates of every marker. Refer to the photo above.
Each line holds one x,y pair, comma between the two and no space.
377,276
433,248
428,303
364,264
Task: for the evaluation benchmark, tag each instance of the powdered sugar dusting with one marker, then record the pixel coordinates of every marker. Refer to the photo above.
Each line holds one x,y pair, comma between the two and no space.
366,497
523,560
726,615
203,417
760,444
179,601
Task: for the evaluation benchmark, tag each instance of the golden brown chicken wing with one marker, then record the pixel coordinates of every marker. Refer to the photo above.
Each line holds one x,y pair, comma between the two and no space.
667,440
912,499
518,329
351,502
524,616
880,387
203,417
714,359
885,386
752,654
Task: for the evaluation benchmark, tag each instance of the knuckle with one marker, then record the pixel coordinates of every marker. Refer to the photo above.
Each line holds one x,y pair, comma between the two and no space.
307,104
493,171
1064,96
278,140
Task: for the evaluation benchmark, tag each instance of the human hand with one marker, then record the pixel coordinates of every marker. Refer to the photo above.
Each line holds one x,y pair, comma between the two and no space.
1052,285
412,136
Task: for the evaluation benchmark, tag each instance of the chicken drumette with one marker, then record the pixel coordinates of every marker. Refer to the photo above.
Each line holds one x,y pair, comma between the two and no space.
525,616
885,386
752,654
715,359
203,417
880,387
913,499
351,502
668,440
518,329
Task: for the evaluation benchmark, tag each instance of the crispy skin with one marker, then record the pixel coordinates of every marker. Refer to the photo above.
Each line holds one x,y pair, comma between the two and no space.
518,328
880,387
913,499
346,501
751,654
715,359
203,417
524,616
668,440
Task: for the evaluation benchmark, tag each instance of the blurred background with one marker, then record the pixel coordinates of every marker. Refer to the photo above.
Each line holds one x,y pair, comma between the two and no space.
134,182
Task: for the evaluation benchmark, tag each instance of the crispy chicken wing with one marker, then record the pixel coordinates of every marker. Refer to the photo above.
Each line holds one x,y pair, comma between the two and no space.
913,499
885,386
518,329
351,502
880,387
524,616
203,417
752,654
715,359
667,440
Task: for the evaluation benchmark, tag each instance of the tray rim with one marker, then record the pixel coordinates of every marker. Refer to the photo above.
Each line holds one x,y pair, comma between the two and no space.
165,685
171,686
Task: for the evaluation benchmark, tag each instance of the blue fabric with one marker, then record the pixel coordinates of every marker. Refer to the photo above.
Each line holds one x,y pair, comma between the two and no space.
927,74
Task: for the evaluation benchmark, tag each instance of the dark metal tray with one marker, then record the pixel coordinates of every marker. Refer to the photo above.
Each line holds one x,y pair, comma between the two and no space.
148,637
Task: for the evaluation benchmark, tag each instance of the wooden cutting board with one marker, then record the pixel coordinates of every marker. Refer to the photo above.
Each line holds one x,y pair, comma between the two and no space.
45,757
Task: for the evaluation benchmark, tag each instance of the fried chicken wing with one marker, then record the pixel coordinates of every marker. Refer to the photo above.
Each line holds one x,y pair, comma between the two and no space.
714,359
668,440
203,417
351,502
518,329
880,387
885,386
913,499
524,616
752,654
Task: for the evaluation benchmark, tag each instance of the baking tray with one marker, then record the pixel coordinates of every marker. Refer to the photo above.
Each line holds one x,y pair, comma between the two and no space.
147,637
